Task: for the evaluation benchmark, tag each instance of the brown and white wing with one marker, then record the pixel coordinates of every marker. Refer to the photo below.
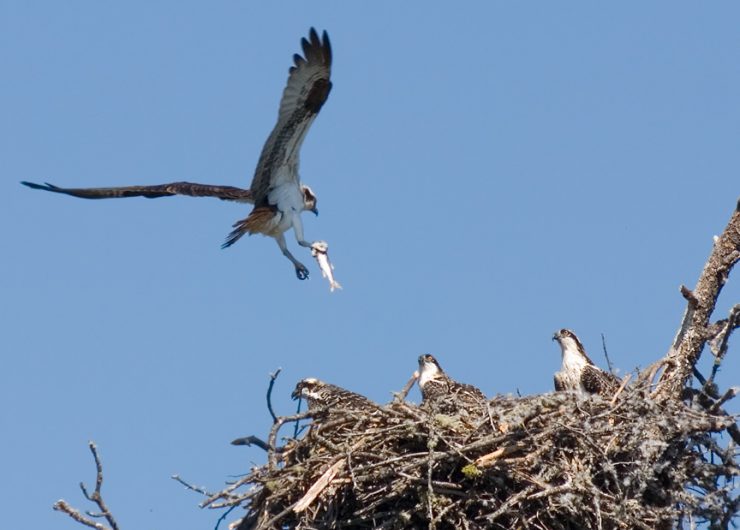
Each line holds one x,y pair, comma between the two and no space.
305,93
596,381
559,383
337,397
190,189
469,393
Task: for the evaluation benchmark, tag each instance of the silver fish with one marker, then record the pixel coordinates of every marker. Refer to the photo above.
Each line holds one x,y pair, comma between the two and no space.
319,250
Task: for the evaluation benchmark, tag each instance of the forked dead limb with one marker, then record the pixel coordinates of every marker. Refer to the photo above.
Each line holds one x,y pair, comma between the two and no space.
692,333
95,497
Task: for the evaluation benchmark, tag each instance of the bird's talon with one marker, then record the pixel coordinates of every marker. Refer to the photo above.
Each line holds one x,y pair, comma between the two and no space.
302,273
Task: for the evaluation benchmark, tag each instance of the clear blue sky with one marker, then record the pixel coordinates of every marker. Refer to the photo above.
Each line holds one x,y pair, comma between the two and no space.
487,173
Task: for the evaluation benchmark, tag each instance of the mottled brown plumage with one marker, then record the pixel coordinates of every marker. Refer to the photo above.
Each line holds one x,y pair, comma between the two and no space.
320,395
578,372
440,391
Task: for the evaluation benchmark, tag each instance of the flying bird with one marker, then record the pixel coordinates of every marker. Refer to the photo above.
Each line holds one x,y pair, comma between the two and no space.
438,388
276,190
578,372
320,395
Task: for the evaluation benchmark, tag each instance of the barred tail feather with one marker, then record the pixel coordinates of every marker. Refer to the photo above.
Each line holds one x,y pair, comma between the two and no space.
240,228
261,220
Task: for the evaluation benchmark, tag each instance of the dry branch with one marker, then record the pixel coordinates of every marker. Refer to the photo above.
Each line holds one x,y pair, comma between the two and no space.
96,497
694,330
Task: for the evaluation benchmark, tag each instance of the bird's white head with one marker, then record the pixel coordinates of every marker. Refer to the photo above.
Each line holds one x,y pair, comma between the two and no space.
569,343
428,369
309,200
307,389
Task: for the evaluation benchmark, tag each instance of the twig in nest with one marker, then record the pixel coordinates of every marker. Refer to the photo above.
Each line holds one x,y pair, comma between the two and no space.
702,380
401,396
223,516
95,496
625,380
431,444
490,459
191,487
606,354
273,376
731,393
318,486
297,426
272,439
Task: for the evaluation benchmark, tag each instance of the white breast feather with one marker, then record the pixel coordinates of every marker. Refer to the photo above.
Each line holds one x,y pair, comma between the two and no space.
286,195
573,364
429,371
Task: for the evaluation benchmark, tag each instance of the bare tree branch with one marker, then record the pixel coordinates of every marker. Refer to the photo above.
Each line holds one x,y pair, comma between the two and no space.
255,440
191,487
401,396
95,496
692,334
719,343
273,376
606,354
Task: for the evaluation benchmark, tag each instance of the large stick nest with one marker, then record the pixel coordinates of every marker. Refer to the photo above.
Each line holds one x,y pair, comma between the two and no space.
552,461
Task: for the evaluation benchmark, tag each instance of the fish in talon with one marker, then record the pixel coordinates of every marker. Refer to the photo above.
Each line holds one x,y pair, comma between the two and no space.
319,250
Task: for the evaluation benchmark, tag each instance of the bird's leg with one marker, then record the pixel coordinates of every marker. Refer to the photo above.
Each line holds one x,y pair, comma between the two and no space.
298,230
300,269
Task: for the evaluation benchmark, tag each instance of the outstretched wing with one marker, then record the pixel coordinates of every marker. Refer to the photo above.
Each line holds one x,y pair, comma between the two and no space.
191,189
305,93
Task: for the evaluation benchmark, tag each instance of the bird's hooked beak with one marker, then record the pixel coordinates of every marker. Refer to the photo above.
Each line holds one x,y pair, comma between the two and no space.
315,211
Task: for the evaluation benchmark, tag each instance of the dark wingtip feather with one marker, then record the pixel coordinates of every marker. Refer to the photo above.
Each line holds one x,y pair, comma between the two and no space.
326,47
298,60
33,185
313,36
45,186
317,49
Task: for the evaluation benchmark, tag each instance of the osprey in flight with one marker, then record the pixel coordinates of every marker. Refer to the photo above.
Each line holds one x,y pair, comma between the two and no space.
276,191
578,372
320,395
437,388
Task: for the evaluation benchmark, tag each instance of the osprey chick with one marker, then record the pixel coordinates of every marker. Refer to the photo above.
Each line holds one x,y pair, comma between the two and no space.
437,388
320,395
578,372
